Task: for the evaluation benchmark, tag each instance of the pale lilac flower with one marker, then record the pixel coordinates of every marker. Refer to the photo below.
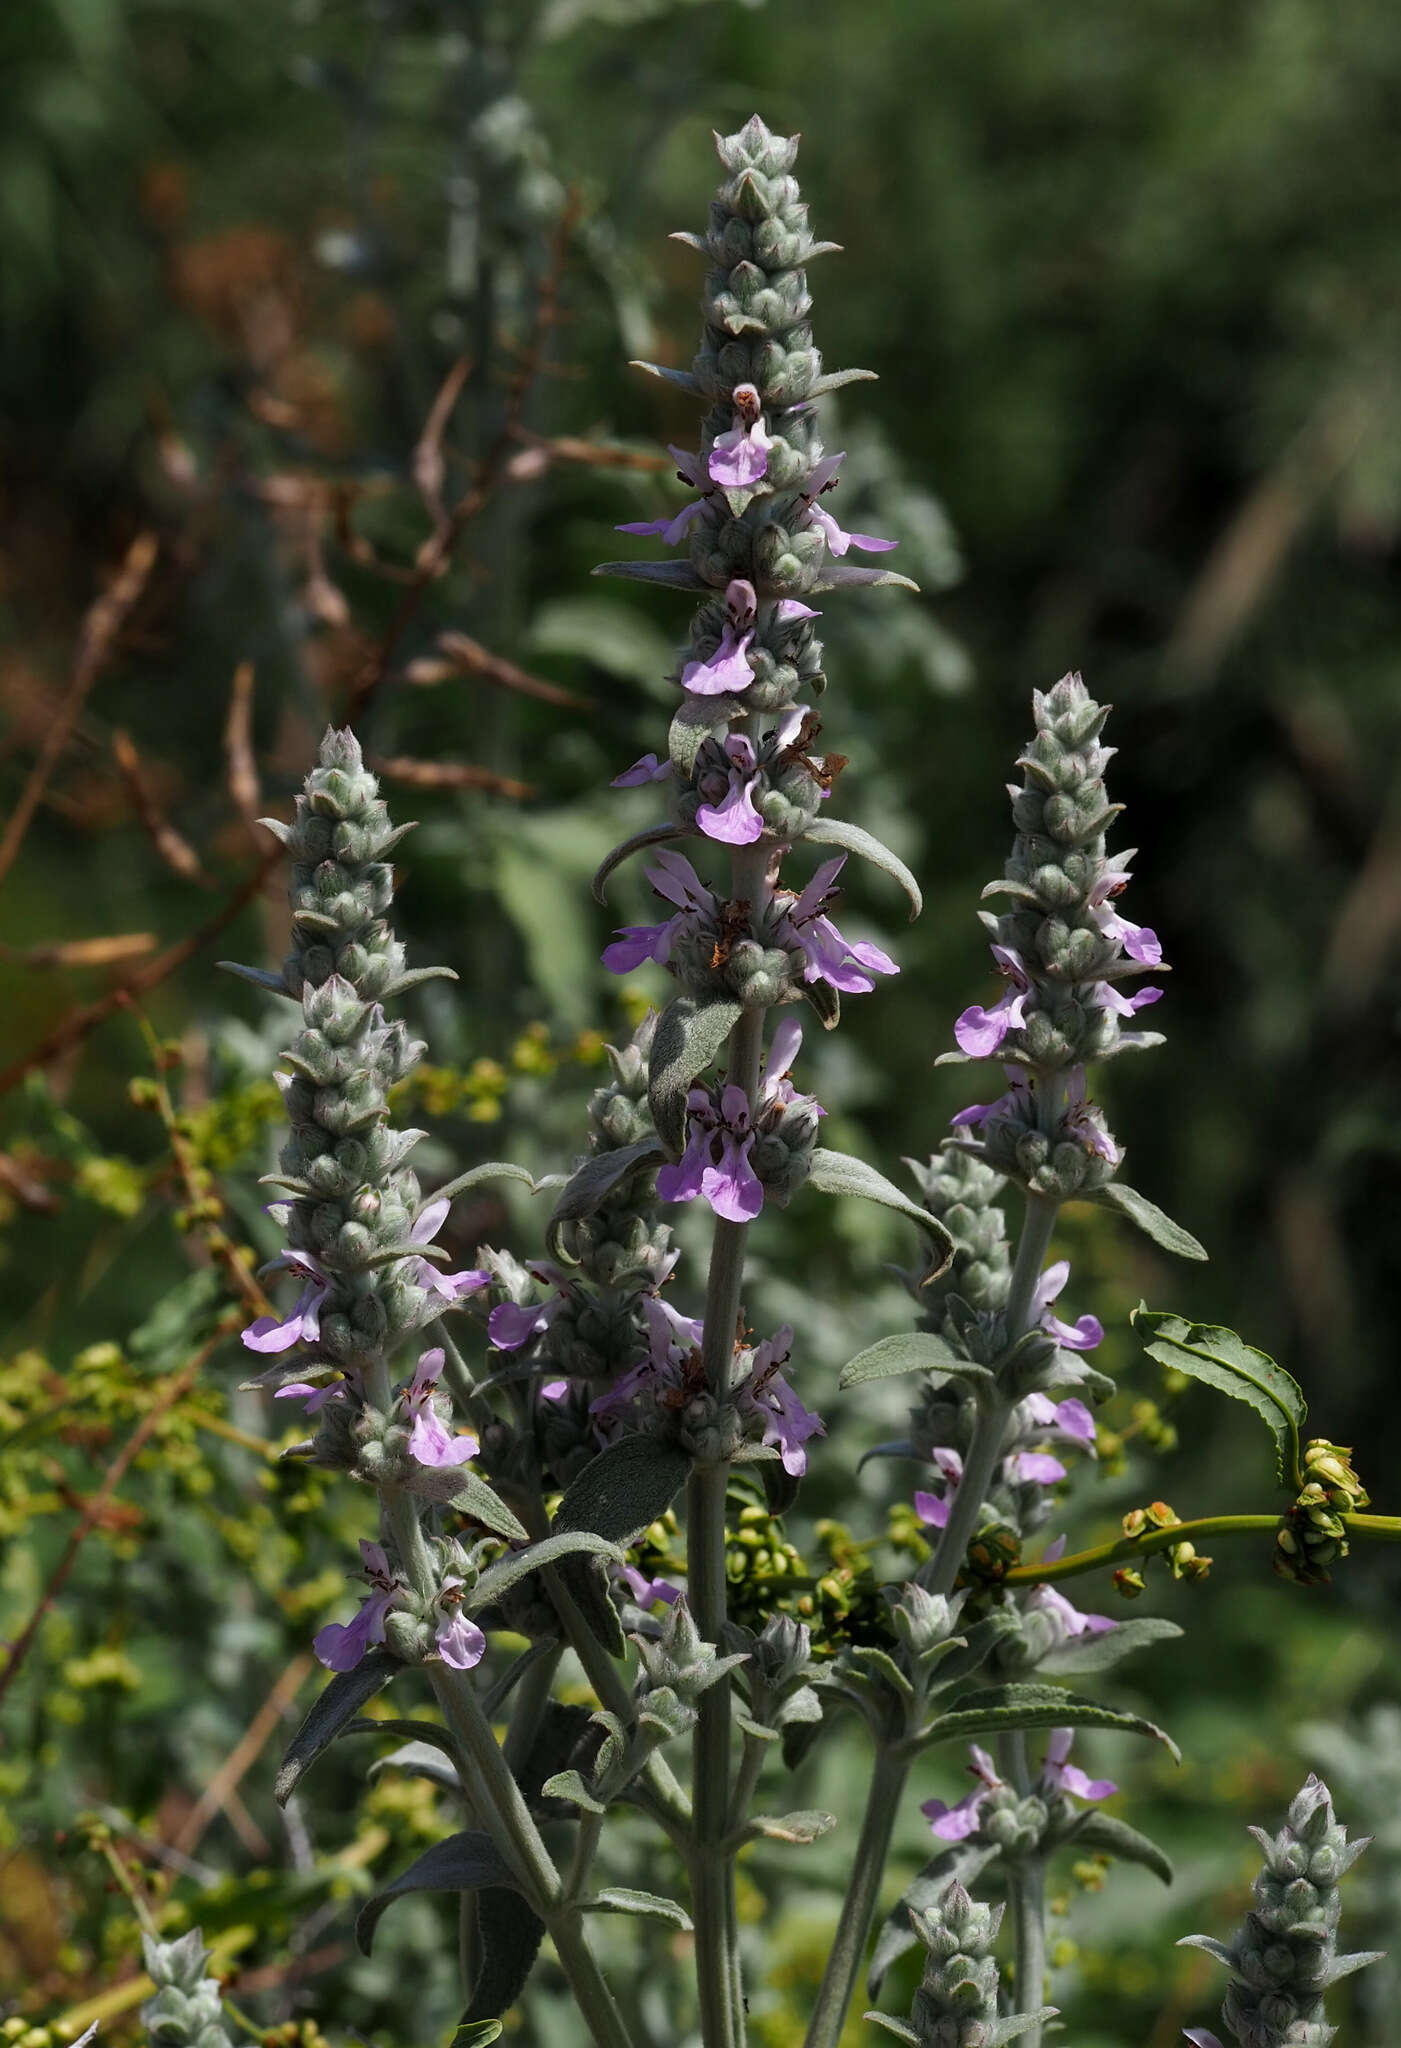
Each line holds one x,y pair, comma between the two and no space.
674,878
715,1163
316,1398
787,1423
1138,940
831,957
1032,1468
789,608
672,531
1109,998
671,1340
513,1323
1015,1102
1082,1335
956,1823
430,1442
459,1641
823,478
980,1032
647,1592
341,1645
1059,1776
740,457
734,819
304,1321
1046,1600
554,1390
1082,1120
648,769
728,667
933,1508
1072,1418
470,1280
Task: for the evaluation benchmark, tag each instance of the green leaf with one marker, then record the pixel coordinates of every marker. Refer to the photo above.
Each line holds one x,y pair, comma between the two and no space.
677,575
694,721
961,1863
332,1712
910,1351
901,2029
508,1937
476,2033
647,1905
491,1169
683,379
809,1824
1150,1220
459,1863
420,1760
569,1785
565,1543
840,832
624,1489
655,835
1106,1836
1079,1654
590,1185
998,1709
1225,1361
406,1731
844,576
833,380
480,1503
839,1173
689,1035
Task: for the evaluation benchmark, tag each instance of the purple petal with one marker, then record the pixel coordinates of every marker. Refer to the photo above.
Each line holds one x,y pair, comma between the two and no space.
788,609
1200,2037
1075,1419
732,1188
682,1182
513,1323
460,1642
341,1645
1082,1335
471,1280
554,1390
739,458
648,769
734,821
1036,1468
932,1509
636,943
1074,1781
431,1444
954,1823
727,669
980,1032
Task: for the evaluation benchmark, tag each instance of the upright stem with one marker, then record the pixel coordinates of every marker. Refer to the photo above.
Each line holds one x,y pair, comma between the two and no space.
1026,1894
848,1948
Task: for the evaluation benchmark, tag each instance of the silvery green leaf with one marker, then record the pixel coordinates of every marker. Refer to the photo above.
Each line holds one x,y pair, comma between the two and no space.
1221,1359
847,576
1104,1835
1079,1654
419,1760
833,380
624,1489
477,2033
998,1709
647,1905
565,1543
259,976
491,1169
695,720
683,379
407,1731
909,1351
853,839
591,1183
459,1863
809,1824
1150,1220
481,1503
901,2029
688,1037
676,575
413,976
570,1785
840,1173
961,1863
331,1713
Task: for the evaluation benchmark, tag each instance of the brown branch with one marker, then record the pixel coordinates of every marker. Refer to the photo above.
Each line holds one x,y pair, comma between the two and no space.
441,775
172,846
469,657
437,550
594,454
243,1755
96,636
175,1389
241,771
427,466
73,1028
99,952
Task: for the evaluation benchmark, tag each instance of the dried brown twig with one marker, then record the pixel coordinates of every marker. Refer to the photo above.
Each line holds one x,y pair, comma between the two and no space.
462,656
241,771
172,846
245,1752
445,775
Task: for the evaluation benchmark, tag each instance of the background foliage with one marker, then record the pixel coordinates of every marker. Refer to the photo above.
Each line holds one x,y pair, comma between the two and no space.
1131,281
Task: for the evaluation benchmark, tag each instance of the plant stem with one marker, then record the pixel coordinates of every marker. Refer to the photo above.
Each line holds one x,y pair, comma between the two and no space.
848,1948
1026,1894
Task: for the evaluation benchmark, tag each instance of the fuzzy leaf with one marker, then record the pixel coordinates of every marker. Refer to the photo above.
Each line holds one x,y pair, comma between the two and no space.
695,720
1105,1836
1078,1654
809,1824
420,1760
647,1905
677,575
840,1173
1225,1361
480,1503
569,1785
459,1863
840,832
407,1731
833,380
492,1169
590,1185
624,1489
962,1863
909,1351
846,576
1000,1708
1150,1220
654,835
901,2029
684,379
332,1712
271,984
689,1035
501,1577
1209,1946
476,2033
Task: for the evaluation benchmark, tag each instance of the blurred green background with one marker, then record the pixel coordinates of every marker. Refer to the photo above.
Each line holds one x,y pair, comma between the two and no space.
1131,281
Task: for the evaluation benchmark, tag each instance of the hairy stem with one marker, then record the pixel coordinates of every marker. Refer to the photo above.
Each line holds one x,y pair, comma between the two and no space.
1026,1895
848,1950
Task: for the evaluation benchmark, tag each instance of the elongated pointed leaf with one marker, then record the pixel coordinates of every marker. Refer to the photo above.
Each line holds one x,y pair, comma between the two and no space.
841,1173
419,1760
477,2033
676,575
570,1785
406,1731
909,1351
833,380
998,1709
901,2029
491,1169
615,1898
695,720
840,832
654,835
1104,1835
590,1185
810,1824
459,1863
624,1489
335,1707
1221,1359
509,1934
689,1035
683,379
565,1543
1151,1220
481,1503
848,576
1079,1654
961,1863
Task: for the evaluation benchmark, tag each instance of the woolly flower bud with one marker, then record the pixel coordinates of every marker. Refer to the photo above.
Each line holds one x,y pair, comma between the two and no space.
186,2010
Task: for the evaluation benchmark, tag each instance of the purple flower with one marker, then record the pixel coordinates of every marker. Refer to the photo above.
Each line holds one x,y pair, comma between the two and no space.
740,457
304,1322
647,1592
674,878
933,1508
427,1224
341,1645
716,1160
831,957
1109,998
430,1443
1059,1776
956,1823
648,769
316,1398
1137,940
734,819
1083,1122
513,1323
823,478
1080,1336
673,531
1072,1418
980,1032
1015,1102
1200,2037
1046,1600
459,1641
728,668
1032,1468
787,1423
